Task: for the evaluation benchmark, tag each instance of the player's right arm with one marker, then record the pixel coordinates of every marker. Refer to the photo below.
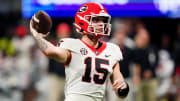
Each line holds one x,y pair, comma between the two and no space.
59,54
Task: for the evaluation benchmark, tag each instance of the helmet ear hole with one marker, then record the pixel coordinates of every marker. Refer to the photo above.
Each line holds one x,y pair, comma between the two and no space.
81,23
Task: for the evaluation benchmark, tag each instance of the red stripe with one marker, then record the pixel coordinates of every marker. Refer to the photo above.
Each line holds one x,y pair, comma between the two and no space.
92,48
115,65
100,50
67,63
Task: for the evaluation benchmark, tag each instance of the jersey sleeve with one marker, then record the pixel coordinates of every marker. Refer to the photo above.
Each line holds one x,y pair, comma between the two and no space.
118,53
66,43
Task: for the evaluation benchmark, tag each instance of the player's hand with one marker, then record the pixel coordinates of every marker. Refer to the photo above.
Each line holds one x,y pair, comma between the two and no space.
118,84
44,35
34,32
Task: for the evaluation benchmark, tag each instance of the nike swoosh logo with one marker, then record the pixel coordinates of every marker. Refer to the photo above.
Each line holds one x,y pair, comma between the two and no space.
107,55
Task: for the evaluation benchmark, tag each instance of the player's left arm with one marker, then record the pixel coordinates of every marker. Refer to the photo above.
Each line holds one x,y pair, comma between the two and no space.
119,84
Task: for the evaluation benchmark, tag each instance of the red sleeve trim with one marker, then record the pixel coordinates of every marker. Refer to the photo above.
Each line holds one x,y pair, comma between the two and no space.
68,60
115,65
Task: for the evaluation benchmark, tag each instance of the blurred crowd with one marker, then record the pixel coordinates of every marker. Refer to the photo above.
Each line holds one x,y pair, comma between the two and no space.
152,71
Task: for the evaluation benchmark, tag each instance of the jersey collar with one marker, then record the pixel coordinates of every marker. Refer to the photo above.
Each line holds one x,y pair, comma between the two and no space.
94,50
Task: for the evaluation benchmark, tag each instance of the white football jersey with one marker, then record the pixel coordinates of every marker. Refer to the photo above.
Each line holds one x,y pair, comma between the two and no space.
89,69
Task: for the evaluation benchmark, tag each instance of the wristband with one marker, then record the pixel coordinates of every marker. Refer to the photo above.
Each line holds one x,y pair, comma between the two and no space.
123,92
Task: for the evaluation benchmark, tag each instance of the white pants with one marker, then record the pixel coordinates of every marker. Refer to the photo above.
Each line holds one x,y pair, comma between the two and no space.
80,97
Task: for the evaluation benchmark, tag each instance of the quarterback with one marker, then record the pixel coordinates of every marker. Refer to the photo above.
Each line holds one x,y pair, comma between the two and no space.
89,63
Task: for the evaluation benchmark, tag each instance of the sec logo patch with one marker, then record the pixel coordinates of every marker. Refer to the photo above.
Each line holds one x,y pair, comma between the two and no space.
83,51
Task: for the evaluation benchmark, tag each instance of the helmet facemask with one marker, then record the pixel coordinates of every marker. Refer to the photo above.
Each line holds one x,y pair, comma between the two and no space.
95,29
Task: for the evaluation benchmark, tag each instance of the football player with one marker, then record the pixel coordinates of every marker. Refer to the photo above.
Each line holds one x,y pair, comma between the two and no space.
89,63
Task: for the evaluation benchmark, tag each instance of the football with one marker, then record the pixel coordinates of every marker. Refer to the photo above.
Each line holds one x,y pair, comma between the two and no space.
42,22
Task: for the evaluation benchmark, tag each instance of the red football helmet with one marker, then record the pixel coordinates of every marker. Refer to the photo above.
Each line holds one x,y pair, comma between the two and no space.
85,15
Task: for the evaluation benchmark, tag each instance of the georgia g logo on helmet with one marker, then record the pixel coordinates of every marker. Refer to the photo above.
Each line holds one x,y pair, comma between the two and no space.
82,9
84,16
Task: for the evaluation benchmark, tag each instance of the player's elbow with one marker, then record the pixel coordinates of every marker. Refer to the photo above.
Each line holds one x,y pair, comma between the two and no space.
51,52
56,54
